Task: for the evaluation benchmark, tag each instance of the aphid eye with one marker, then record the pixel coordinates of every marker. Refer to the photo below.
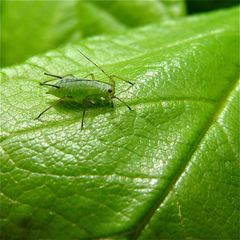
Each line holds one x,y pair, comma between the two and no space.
109,90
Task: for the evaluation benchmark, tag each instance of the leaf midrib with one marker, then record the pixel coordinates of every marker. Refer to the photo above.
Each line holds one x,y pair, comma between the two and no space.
220,106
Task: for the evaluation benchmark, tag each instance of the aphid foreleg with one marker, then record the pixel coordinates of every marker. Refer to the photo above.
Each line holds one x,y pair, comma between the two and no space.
115,76
69,76
53,104
125,90
123,102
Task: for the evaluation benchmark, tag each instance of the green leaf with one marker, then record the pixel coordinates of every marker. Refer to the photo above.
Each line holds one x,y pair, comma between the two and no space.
31,27
167,170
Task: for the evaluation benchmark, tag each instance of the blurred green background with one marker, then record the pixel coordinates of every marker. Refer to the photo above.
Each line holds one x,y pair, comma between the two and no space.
32,27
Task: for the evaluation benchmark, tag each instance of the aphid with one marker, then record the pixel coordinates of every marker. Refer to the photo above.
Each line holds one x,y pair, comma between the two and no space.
83,90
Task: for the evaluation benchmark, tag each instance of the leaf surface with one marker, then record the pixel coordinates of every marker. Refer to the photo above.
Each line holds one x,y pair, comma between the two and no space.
167,170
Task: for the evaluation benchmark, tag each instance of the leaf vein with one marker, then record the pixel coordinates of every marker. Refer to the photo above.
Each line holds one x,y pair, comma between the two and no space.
221,104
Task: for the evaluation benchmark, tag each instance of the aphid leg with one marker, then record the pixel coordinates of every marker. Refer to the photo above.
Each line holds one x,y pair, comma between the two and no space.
53,104
123,102
125,90
86,103
91,75
115,76
83,115
69,75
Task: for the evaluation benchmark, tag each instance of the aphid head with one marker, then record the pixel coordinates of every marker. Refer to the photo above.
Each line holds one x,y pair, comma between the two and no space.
111,91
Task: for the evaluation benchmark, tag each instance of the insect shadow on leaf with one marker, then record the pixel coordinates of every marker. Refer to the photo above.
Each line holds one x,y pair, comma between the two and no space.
87,90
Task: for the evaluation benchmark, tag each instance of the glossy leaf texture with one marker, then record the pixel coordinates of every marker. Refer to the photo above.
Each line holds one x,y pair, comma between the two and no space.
38,26
169,169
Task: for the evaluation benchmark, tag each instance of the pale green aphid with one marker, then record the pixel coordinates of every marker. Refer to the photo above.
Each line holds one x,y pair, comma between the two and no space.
82,90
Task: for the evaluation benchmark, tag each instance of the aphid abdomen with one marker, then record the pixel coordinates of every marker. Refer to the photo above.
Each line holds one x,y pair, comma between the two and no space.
79,89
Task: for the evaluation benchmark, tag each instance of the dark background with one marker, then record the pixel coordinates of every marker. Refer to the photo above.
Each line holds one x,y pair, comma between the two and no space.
195,6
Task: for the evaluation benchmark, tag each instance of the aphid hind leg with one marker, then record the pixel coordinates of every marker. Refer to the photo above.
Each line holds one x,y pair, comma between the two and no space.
91,75
52,105
69,75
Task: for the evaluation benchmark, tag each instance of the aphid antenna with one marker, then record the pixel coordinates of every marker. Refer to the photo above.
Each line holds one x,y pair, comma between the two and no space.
110,78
